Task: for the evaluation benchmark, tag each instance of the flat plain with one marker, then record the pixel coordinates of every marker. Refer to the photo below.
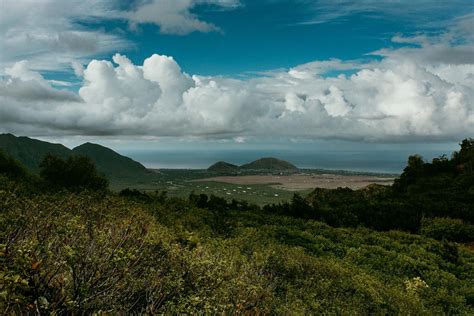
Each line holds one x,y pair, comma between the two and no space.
298,182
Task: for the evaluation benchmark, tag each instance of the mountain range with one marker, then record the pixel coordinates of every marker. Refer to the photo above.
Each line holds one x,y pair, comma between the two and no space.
117,168
30,152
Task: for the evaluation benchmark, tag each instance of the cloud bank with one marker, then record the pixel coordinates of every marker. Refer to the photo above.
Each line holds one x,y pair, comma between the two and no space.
424,91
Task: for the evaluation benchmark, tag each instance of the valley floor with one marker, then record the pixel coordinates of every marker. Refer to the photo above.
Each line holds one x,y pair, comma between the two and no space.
256,187
303,181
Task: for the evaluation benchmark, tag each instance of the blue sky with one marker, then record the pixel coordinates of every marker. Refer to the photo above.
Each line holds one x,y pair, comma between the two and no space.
263,35
238,73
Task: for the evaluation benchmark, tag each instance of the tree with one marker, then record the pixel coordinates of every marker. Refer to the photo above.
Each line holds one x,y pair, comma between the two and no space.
11,168
465,157
300,208
411,173
74,174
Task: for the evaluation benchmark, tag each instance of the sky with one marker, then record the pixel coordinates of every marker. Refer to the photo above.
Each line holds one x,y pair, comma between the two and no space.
238,73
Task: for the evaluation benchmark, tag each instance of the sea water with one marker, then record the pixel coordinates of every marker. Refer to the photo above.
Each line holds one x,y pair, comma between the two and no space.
379,161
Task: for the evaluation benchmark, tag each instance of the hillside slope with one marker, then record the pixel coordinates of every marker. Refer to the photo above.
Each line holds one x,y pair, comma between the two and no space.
262,164
269,163
223,167
30,152
111,163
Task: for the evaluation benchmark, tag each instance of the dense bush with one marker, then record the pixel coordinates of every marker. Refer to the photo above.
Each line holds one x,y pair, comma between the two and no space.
344,207
442,188
76,173
447,228
70,254
79,254
10,168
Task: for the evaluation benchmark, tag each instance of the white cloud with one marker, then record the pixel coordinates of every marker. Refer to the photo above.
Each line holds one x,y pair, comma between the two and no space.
24,84
406,96
175,16
239,139
53,34
78,68
21,70
419,12
47,33
164,71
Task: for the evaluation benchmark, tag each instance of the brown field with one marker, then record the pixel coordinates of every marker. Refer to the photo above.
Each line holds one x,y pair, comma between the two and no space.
304,181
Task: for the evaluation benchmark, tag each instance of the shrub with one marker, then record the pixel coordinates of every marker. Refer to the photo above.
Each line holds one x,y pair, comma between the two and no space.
74,174
447,228
11,168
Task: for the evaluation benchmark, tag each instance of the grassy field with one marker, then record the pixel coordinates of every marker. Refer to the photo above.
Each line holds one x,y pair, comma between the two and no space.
181,182
299,182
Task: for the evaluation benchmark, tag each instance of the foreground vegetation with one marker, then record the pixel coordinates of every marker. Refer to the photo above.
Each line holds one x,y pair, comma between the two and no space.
81,253
67,248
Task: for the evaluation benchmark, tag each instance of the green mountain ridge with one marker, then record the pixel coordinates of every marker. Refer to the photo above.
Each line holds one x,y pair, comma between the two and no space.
266,163
109,162
30,152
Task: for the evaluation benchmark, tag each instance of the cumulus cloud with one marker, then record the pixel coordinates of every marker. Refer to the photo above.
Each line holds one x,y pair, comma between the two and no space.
403,96
24,84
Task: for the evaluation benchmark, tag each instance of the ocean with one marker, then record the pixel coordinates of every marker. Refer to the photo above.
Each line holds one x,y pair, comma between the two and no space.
378,161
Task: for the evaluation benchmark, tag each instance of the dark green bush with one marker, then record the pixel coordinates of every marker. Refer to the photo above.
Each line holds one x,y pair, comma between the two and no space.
74,174
451,229
11,168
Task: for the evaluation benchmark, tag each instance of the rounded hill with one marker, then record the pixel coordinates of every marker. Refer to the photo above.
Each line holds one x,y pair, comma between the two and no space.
269,163
223,167
112,164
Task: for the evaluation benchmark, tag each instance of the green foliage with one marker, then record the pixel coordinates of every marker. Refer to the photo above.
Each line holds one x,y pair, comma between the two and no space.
14,176
115,166
83,253
447,228
465,157
30,152
216,203
11,168
372,207
442,188
75,173
118,169
71,254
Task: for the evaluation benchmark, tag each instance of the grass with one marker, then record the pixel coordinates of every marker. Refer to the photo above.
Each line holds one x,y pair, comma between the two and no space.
177,183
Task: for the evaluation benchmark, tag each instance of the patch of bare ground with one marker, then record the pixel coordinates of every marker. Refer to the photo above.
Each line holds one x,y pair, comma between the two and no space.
299,182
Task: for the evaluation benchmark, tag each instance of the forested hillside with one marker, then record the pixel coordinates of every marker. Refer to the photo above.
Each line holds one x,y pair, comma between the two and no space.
31,152
113,165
